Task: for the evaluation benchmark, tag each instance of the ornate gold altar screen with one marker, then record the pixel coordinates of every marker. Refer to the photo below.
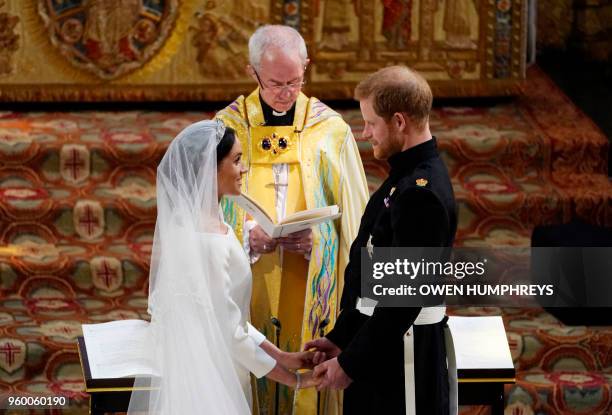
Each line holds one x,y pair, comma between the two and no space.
98,50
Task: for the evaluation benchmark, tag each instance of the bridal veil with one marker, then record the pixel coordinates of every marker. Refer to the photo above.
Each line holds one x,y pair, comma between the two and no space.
190,334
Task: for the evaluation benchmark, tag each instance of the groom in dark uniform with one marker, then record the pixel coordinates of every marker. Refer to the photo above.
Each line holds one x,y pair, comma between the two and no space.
414,207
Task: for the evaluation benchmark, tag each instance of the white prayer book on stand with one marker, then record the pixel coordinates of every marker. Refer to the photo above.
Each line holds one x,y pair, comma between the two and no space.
118,349
481,347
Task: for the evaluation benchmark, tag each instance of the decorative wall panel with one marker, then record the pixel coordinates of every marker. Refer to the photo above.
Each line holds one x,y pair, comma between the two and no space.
100,50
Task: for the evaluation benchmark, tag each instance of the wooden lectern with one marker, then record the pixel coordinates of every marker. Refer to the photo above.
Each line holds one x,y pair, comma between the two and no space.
106,395
484,362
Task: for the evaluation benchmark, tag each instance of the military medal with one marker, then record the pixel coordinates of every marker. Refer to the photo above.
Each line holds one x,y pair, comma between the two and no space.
386,200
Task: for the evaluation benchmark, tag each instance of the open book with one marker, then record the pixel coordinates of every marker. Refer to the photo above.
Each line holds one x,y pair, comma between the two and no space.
293,223
118,349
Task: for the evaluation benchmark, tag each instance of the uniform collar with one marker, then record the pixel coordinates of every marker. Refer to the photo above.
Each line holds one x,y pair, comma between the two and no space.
408,159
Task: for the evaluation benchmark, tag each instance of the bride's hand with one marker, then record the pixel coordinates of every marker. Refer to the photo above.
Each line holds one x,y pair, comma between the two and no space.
307,380
297,360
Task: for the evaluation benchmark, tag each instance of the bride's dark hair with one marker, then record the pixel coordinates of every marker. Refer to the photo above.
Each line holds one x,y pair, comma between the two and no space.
226,144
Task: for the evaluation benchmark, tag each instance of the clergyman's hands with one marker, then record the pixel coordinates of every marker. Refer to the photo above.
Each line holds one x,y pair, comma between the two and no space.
297,360
331,375
260,242
323,349
299,242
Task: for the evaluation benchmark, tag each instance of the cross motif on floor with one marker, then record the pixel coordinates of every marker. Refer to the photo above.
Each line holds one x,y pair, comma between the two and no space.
88,220
74,163
107,273
9,350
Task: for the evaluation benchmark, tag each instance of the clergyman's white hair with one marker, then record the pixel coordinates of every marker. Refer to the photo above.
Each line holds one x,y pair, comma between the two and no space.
286,38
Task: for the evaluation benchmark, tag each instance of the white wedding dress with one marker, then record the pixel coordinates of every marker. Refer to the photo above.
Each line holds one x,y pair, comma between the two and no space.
199,292
248,357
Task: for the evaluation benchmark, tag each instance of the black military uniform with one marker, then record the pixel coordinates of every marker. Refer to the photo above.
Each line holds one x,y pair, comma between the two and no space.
415,206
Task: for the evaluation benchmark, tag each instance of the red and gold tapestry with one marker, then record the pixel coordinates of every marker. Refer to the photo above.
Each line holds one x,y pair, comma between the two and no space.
138,50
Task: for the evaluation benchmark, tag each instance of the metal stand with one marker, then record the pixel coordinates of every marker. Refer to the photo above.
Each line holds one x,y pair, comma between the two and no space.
276,323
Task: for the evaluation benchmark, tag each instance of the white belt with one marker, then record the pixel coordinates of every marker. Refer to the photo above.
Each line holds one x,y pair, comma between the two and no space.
428,315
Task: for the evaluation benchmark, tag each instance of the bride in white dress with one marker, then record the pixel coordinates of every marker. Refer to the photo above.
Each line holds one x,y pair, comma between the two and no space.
200,288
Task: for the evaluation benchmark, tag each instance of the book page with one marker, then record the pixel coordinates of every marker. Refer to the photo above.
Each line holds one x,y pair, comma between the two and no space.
118,349
321,212
293,223
255,210
480,342
289,228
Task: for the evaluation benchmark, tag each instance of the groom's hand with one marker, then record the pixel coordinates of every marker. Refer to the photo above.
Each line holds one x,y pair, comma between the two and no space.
331,375
323,349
